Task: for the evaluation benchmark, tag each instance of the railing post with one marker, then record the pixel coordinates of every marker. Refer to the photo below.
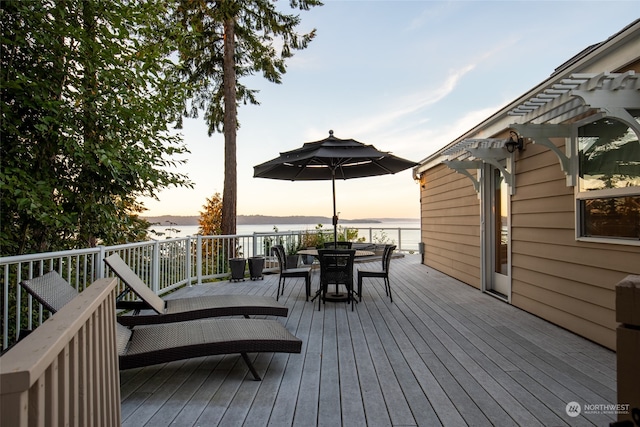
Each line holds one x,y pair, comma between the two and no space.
399,238
199,259
100,267
5,309
155,268
188,260
254,244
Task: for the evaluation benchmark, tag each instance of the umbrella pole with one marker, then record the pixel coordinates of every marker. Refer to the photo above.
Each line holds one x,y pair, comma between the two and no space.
335,216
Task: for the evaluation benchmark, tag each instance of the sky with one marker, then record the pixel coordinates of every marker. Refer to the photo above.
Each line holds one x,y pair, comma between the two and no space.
405,76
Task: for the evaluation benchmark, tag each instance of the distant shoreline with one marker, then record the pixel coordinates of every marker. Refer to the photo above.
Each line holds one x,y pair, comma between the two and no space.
272,220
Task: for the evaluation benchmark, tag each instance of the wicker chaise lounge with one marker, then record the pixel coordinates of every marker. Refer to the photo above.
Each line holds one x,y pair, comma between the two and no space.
150,345
153,344
181,309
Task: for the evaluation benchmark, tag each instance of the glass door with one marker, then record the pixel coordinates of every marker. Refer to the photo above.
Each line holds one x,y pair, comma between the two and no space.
497,239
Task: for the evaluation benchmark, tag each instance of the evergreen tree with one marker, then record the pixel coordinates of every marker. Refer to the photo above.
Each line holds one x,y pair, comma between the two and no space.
210,222
225,41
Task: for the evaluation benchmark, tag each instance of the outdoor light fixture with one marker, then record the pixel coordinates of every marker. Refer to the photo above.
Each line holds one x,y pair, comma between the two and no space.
515,141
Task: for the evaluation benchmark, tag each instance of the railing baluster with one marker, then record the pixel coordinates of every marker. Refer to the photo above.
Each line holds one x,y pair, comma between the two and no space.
5,307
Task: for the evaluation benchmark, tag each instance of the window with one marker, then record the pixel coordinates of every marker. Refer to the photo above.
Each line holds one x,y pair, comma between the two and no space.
609,179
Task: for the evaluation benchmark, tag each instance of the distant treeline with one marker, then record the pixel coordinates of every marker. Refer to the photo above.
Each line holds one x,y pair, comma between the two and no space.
256,219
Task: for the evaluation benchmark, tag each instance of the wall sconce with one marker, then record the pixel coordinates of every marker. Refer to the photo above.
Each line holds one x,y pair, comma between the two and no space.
515,141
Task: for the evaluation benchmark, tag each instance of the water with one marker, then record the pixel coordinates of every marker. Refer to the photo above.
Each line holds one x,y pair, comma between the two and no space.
369,231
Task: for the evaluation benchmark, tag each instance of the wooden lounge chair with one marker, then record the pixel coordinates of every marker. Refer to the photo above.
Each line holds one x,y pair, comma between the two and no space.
150,345
181,309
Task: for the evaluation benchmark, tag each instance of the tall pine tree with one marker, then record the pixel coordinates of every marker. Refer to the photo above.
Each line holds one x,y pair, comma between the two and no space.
224,41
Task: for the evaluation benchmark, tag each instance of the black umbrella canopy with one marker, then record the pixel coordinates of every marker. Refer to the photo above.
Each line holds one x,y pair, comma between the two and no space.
330,159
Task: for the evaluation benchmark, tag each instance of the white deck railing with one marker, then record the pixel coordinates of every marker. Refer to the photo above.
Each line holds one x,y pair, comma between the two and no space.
163,264
66,371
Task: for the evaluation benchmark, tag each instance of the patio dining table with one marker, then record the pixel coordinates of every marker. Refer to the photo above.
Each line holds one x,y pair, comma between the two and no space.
314,252
336,296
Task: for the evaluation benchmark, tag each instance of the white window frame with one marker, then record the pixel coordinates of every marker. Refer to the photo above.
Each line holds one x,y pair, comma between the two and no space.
595,194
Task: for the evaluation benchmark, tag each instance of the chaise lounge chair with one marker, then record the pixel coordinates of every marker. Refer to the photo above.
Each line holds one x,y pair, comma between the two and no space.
150,345
181,309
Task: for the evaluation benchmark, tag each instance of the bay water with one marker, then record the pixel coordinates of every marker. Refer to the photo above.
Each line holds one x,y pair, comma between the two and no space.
386,231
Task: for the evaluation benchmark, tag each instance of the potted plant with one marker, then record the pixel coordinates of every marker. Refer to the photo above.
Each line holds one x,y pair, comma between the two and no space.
380,241
312,240
291,249
237,266
256,265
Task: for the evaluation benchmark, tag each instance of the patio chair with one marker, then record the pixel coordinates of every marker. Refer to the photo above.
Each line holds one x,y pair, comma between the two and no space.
304,272
338,245
383,274
181,309
150,345
336,268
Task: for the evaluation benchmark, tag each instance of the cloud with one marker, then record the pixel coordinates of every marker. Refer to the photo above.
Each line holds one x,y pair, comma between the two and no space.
408,105
433,13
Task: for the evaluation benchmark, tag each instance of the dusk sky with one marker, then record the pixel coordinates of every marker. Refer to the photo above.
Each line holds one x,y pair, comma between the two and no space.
405,76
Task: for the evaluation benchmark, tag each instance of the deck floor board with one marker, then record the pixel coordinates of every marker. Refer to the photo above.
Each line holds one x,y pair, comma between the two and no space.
442,353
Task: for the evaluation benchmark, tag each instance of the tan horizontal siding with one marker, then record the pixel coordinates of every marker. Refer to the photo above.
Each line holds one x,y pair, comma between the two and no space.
566,284
449,265
560,203
543,190
466,237
450,212
457,206
590,330
455,219
581,310
461,253
590,274
546,220
566,237
538,156
554,276
605,258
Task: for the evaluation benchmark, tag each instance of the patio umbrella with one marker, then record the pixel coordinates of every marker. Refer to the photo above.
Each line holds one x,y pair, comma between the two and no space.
331,159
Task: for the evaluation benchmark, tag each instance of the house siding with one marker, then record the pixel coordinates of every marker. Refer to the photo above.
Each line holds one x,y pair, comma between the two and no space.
450,212
554,276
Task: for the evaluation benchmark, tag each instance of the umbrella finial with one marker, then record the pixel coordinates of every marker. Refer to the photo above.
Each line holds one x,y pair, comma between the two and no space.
330,133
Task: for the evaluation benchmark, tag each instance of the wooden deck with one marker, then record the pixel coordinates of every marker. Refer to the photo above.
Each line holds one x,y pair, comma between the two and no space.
442,353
